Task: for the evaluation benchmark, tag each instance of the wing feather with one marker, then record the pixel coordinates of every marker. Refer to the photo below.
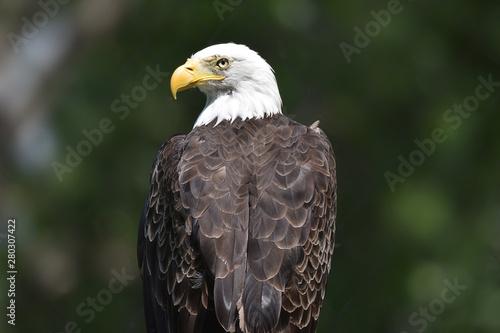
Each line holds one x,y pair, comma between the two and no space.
238,229
171,269
292,215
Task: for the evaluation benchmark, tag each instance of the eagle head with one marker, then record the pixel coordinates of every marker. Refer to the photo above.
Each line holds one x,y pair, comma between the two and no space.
237,81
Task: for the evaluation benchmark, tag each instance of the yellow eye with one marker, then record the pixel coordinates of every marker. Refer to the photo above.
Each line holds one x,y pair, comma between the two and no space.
223,63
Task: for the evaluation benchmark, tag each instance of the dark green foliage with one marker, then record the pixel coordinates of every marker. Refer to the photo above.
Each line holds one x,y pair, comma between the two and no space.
400,246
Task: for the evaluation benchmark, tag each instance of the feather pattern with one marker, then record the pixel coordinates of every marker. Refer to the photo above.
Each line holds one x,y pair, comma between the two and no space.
238,228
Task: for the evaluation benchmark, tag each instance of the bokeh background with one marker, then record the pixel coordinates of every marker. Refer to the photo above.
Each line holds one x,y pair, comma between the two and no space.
68,66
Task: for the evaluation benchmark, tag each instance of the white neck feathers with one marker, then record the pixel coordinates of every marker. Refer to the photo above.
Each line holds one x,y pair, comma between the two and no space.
244,104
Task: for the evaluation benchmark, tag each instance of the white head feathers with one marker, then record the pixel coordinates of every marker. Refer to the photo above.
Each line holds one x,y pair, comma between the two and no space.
249,89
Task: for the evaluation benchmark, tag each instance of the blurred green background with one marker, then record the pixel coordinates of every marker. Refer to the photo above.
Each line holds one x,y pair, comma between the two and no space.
417,253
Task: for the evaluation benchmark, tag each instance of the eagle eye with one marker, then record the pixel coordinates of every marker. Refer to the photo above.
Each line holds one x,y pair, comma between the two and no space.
223,63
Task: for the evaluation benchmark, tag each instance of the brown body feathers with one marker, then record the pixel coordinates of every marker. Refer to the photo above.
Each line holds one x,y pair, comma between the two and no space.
238,229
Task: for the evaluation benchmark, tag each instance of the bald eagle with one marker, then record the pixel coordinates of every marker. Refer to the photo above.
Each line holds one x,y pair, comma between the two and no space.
238,228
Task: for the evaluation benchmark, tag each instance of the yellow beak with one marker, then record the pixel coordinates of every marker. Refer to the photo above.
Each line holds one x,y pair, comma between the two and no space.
193,73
